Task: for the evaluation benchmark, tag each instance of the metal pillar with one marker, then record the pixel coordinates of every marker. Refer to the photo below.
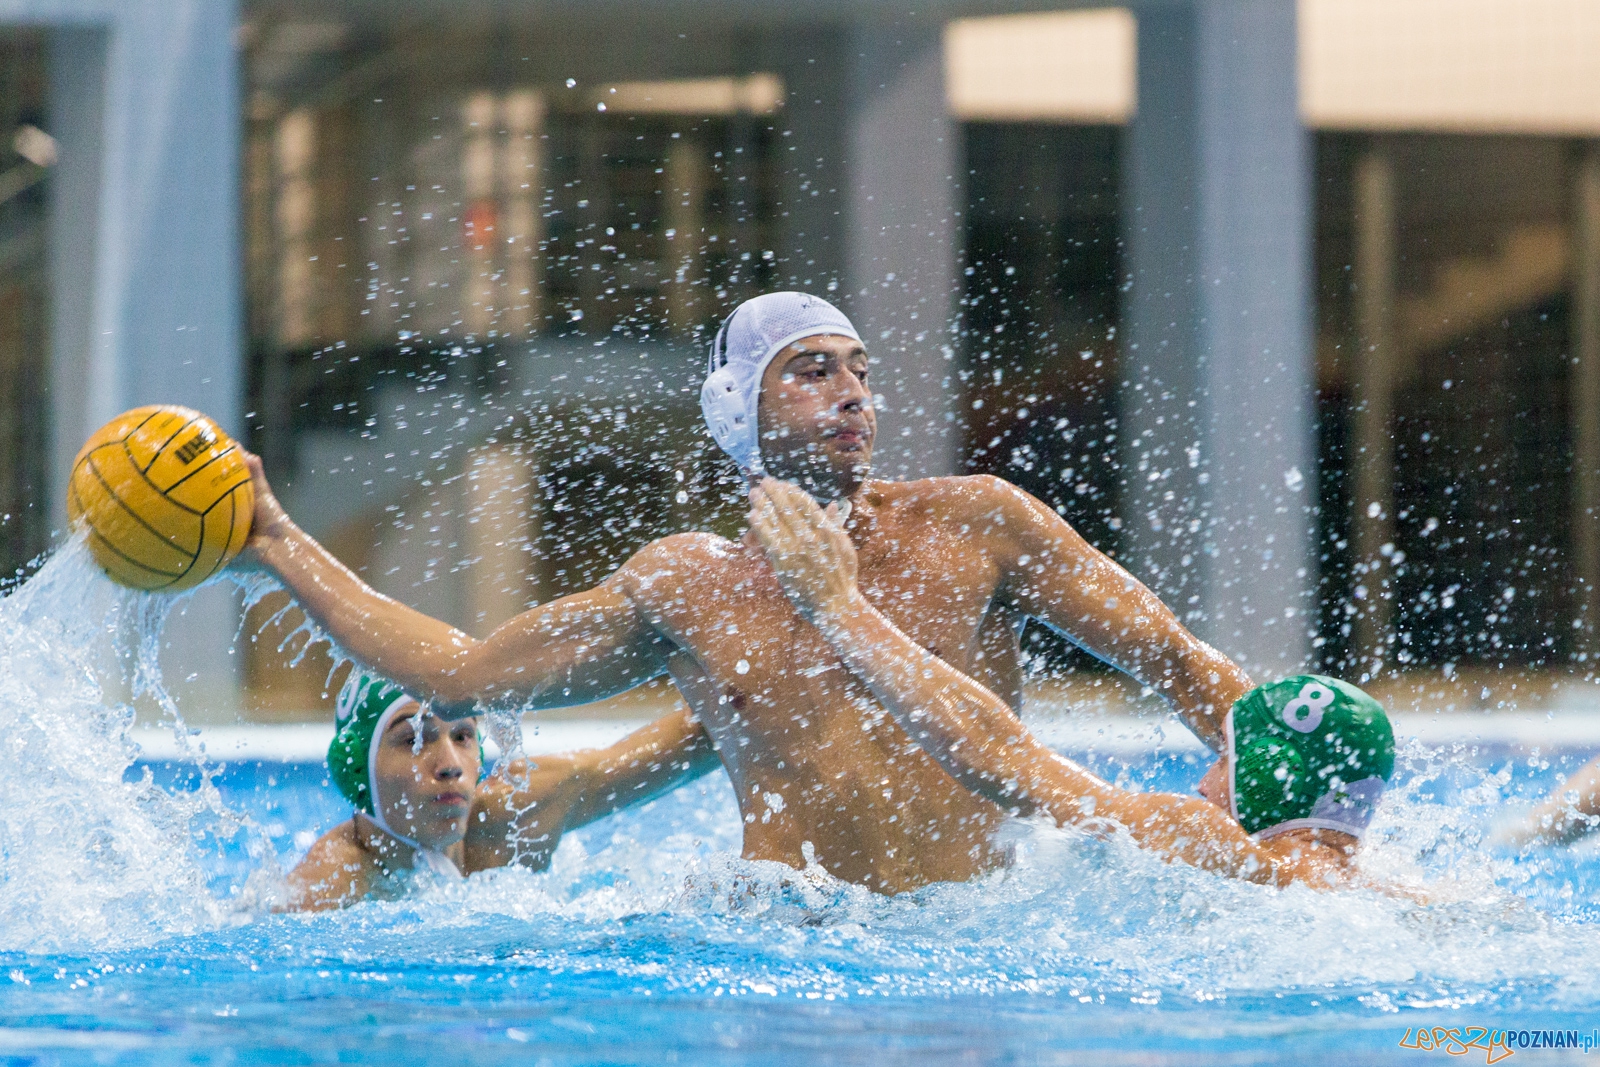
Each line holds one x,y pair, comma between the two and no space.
1218,377
1586,394
870,214
810,157
148,115
143,251
83,374
1374,374
1159,424
902,233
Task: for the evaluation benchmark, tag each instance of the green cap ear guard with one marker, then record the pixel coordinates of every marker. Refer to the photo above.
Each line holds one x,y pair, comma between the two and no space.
362,704
1271,771
1308,752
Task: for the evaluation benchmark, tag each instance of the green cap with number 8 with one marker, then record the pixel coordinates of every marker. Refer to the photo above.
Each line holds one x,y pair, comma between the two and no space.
1307,752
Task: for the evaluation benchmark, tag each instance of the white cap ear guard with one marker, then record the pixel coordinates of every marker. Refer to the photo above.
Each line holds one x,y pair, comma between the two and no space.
731,427
756,332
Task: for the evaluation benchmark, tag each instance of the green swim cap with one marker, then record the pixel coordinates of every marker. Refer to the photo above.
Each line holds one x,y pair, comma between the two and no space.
364,708
1308,751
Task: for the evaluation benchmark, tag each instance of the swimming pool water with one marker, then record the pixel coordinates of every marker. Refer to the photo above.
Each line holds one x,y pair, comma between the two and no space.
648,942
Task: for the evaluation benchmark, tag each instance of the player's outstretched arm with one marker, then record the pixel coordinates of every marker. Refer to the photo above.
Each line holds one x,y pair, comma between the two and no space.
971,732
525,813
1054,575
570,651
1570,812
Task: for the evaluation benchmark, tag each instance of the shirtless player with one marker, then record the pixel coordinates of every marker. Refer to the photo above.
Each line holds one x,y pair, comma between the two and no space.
1306,761
955,563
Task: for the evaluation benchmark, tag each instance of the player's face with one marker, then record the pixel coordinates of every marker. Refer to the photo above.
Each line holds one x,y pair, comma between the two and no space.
427,789
1214,785
816,418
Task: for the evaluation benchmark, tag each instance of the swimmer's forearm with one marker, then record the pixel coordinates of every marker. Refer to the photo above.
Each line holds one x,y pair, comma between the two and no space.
1121,621
1572,811
1062,580
571,651
652,760
421,653
1139,634
978,741
1205,688
968,730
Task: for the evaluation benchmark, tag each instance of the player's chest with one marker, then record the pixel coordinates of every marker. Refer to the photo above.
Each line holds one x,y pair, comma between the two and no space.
933,585
737,622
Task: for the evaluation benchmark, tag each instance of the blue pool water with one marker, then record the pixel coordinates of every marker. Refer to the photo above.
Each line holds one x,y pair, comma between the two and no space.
648,942
133,927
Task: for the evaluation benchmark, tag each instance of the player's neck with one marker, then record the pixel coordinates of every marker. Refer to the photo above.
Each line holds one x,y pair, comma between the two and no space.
824,484
396,855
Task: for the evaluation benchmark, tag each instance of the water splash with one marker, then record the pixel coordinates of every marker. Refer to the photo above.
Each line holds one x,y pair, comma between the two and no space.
107,862
1072,916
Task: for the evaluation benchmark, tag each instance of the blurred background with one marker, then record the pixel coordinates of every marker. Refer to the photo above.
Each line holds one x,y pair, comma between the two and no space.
1293,308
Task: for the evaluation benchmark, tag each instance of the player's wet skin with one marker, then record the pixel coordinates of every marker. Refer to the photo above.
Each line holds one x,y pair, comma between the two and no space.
957,563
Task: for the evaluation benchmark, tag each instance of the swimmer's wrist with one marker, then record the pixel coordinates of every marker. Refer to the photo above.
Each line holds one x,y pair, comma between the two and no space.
836,616
273,540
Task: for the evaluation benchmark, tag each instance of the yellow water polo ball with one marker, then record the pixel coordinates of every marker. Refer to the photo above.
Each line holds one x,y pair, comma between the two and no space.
165,497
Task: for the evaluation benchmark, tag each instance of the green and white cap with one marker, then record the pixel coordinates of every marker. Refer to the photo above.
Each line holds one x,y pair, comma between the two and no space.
366,707
1307,752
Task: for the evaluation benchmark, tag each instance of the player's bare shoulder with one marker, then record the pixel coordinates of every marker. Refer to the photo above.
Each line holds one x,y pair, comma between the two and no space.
337,870
673,567
978,501
678,555
339,847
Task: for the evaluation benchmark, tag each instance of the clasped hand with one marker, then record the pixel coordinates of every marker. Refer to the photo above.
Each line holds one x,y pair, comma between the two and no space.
807,549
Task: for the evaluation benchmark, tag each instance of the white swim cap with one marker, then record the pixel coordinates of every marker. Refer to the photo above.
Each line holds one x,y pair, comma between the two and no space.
757,330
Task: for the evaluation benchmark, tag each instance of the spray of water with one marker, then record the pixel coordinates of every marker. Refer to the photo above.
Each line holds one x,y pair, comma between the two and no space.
85,857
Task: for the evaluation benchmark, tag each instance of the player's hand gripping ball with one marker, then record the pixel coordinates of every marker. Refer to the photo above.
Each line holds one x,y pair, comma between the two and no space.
165,497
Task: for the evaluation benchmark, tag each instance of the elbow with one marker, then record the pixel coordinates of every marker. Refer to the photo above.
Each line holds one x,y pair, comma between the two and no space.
457,693
453,702
460,686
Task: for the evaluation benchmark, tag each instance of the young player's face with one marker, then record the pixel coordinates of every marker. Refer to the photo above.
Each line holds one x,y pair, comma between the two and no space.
816,419
427,789
1214,785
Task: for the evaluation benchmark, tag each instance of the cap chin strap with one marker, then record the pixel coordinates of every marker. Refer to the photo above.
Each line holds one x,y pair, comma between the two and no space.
425,857
1233,766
